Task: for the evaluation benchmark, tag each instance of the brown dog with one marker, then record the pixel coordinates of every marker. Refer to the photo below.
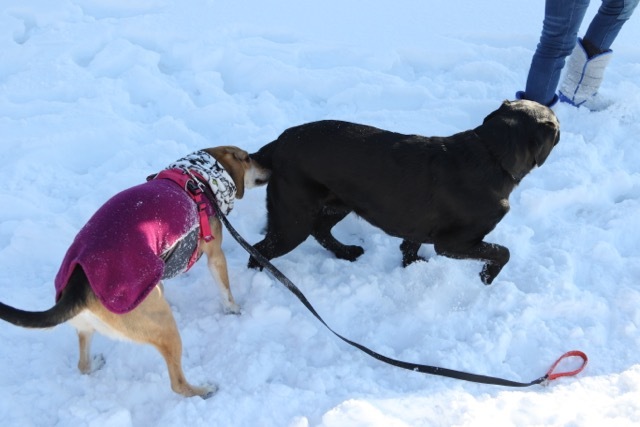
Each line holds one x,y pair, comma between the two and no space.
110,279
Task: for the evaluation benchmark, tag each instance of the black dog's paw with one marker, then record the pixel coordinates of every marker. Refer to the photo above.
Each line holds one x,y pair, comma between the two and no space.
407,260
254,264
489,273
349,252
409,251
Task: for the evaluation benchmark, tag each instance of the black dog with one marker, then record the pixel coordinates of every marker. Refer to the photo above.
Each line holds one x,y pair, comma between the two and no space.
448,191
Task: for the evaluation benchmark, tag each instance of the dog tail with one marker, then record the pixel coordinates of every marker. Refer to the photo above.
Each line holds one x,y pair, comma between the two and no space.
264,156
72,301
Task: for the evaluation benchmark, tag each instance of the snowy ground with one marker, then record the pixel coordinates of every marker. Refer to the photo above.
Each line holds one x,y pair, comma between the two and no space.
97,94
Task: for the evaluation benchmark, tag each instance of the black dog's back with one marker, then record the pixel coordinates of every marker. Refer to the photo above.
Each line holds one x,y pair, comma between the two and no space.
381,175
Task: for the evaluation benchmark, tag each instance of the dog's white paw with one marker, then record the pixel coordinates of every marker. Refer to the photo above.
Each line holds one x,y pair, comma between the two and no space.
95,364
209,391
232,309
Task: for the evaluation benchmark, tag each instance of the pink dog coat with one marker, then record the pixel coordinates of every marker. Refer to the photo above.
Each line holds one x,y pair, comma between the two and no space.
135,238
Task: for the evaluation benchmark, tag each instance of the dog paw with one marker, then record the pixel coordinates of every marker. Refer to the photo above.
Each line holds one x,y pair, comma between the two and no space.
232,309
489,273
349,252
254,265
95,364
209,391
406,261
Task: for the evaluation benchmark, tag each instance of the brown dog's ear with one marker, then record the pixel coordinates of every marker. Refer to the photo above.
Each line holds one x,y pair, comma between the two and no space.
240,155
235,161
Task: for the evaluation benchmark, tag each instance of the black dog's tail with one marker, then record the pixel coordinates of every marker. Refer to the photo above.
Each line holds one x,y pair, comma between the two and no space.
264,156
71,303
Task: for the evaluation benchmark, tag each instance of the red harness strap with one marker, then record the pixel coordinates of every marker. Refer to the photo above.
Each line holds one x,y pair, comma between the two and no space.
182,178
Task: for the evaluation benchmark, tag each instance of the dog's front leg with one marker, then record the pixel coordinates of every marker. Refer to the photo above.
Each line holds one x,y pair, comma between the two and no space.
409,251
494,256
217,263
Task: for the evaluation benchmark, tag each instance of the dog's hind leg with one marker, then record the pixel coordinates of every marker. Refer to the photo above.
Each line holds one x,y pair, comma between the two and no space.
290,220
85,327
329,216
86,363
494,256
152,322
84,339
276,244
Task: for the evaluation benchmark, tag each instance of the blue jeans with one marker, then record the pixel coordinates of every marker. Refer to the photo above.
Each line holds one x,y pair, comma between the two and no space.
562,19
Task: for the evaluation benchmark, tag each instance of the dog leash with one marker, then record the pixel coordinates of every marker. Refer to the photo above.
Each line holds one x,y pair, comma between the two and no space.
425,369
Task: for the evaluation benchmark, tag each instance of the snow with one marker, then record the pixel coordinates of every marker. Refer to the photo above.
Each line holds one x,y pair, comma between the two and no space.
95,95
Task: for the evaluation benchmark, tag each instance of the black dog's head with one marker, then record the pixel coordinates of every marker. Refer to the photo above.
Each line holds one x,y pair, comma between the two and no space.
521,134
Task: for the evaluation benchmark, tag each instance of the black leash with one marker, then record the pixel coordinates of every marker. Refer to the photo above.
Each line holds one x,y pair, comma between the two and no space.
425,369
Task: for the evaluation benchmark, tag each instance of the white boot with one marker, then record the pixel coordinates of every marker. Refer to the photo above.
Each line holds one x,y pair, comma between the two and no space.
583,77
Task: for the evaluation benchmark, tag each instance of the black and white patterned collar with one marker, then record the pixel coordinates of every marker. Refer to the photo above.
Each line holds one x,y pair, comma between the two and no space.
218,179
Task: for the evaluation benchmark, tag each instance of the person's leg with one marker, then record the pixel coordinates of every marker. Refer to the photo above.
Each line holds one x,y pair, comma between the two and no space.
559,35
587,63
606,25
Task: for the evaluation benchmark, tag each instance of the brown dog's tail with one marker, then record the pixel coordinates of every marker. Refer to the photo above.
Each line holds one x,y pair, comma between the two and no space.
71,303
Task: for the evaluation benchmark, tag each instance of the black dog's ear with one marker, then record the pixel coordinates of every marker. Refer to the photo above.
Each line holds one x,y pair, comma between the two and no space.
513,139
505,105
545,138
519,137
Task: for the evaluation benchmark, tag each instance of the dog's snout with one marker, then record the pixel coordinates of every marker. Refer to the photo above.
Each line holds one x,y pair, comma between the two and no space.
257,176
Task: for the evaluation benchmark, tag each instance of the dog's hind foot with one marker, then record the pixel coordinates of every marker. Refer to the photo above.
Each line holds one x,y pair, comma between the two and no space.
96,363
187,390
209,391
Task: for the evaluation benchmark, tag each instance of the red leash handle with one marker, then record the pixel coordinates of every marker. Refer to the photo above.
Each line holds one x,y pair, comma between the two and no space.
575,353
